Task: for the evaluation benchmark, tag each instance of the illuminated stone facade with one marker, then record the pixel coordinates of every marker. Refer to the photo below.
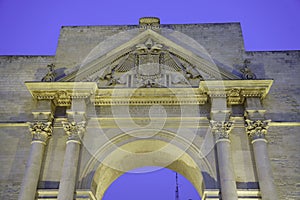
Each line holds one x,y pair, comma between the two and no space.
185,97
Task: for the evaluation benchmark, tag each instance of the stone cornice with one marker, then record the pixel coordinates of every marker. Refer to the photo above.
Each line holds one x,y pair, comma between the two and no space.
61,93
149,96
235,91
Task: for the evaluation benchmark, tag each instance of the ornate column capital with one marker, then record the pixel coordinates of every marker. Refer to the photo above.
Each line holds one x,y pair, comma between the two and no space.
40,131
221,129
74,130
256,129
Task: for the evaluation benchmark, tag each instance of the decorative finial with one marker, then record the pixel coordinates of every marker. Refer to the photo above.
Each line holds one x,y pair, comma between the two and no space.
152,23
246,62
247,74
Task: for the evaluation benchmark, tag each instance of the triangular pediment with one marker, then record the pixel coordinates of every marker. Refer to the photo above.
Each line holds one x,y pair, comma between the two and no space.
149,60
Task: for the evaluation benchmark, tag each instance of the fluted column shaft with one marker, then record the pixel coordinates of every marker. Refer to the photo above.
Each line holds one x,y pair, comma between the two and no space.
256,131
69,171
40,133
221,131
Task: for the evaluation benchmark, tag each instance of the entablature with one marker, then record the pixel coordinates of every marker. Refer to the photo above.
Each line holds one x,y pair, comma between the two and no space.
235,91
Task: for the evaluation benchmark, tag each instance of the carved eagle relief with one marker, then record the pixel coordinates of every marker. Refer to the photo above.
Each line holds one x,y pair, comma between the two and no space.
149,64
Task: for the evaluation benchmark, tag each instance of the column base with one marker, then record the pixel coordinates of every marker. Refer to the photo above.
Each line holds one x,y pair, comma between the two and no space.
53,193
214,194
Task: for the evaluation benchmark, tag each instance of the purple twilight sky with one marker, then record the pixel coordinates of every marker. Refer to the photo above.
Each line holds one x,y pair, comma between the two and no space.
32,27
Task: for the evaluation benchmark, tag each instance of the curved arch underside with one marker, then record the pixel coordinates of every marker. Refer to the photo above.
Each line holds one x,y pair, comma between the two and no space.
146,152
183,165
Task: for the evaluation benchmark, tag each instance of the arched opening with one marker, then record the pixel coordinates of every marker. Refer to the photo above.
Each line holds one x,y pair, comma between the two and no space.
150,183
117,163
125,152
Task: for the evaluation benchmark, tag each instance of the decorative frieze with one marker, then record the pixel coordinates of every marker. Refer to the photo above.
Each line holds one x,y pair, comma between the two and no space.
221,129
74,130
257,129
40,131
235,91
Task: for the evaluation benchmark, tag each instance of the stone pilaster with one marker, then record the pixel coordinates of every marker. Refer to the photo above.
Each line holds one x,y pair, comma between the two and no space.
67,184
256,130
221,130
40,132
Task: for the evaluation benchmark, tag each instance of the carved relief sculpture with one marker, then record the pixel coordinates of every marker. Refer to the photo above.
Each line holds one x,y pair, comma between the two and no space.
221,129
40,131
51,75
257,129
74,130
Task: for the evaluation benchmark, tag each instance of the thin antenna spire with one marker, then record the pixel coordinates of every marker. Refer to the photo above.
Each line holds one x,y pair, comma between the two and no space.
177,190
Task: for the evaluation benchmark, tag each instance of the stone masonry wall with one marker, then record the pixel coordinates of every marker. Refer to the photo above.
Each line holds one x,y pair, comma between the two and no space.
283,146
14,151
15,109
223,42
282,105
75,43
16,102
283,100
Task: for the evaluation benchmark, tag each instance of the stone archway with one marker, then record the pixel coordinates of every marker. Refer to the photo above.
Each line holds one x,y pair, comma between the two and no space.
123,84
146,152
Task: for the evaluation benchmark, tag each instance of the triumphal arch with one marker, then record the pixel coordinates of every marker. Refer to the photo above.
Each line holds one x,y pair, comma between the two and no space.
150,95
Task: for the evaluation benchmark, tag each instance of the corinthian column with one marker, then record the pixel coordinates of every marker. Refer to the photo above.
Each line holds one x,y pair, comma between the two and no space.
221,130
69,171
40,132
256,131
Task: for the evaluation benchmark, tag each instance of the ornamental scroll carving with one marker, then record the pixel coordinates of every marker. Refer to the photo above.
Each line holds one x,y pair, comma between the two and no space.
74,130
221,129
257,129
51,74
40,131
247,73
